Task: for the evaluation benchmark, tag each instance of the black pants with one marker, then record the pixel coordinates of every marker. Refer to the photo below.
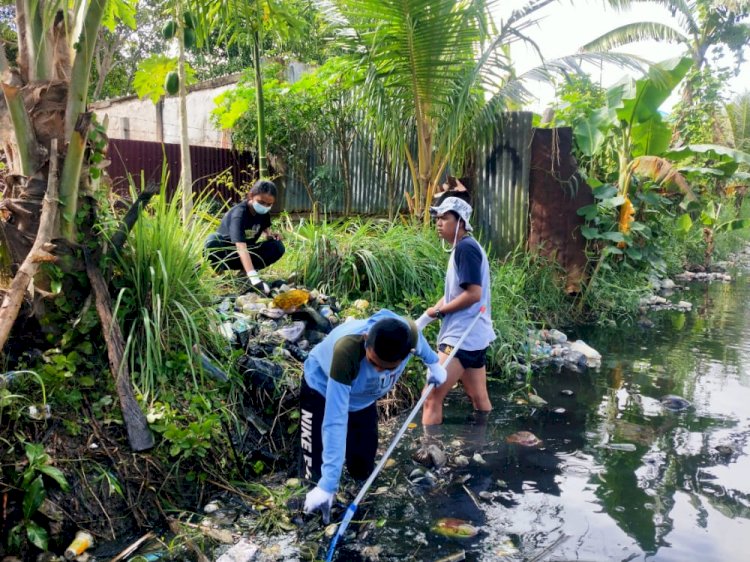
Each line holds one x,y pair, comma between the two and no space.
361,437
223,255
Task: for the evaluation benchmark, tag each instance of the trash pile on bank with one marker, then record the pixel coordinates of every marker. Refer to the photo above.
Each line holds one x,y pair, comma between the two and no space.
551,347
272,336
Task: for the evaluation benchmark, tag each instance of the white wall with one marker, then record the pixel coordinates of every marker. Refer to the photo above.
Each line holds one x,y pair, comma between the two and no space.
134,119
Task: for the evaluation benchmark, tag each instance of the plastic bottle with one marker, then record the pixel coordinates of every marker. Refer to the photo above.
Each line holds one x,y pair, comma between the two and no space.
79,545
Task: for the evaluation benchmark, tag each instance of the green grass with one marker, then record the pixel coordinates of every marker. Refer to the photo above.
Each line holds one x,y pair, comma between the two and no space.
388,263
166,292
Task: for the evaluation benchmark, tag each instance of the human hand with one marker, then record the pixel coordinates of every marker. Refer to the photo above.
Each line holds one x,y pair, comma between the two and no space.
436,374
432,312
319,499
258,283
273,235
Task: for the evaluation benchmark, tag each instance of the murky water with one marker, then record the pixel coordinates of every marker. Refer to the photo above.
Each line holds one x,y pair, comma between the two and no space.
675,497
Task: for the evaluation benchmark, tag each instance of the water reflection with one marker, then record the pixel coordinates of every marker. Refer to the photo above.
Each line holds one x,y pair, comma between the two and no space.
683,490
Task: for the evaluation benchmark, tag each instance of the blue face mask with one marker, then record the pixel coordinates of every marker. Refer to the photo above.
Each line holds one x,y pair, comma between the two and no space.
260,208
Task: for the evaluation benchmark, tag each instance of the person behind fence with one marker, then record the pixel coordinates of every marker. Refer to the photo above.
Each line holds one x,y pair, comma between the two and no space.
344,375
235,245
467,289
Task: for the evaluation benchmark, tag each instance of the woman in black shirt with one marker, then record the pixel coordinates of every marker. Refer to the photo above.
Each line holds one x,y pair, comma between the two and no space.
235,246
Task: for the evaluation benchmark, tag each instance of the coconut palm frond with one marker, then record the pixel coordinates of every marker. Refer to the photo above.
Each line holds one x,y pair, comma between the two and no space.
682,10
632,33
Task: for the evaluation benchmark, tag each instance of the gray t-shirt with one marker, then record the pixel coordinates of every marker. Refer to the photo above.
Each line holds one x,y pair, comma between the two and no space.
468,265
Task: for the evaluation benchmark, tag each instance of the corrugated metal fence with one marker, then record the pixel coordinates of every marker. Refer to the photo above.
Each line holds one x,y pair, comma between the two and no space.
500,195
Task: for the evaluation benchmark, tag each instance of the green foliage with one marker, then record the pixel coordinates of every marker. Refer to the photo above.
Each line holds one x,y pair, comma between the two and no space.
382,261
31,483
527,291
697,117
165,295
189,425
150,79
738,115
302,119
632,114
634,245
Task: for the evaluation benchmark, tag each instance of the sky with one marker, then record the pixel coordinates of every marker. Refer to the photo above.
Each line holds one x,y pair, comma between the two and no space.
565,26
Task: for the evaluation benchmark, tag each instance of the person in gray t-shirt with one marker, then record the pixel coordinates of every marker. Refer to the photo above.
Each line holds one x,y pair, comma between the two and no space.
467,289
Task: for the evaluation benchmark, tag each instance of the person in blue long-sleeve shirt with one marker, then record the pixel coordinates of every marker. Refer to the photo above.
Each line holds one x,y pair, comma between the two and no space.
357,363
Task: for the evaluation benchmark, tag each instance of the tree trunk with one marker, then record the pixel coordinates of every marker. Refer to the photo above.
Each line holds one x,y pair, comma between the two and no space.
38,254
186,172
139,434
262,161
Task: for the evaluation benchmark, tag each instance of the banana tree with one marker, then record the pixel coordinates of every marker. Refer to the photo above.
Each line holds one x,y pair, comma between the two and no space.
632,123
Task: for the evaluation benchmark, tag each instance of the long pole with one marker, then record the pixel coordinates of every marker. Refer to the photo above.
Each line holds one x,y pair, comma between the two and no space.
353,506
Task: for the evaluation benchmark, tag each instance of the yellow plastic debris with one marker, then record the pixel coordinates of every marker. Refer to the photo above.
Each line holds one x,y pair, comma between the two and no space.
291,300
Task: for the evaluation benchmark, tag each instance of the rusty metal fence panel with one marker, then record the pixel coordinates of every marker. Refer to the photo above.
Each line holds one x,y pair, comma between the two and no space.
501,198
148,158
500,195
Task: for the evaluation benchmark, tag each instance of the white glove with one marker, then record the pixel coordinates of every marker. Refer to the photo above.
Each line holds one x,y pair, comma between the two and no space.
318,498
258,283
436,374
423,320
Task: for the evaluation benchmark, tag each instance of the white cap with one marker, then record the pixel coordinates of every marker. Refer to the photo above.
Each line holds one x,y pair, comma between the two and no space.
459,206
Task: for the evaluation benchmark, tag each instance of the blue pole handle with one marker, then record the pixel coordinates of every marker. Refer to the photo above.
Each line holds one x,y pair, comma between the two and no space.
340,531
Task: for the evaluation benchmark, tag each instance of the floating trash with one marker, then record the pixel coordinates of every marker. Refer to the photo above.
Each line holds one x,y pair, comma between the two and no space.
567,392
524,439
479,459
506,548
675,403
361,304
461,460
626,447
455,528
273,313
243,551
537,401
430,455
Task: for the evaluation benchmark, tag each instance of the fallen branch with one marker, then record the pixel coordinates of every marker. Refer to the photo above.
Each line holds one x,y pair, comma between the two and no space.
139,434
50,209
133,547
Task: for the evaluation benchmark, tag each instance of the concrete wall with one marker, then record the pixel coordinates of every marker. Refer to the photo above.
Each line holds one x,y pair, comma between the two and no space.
134,119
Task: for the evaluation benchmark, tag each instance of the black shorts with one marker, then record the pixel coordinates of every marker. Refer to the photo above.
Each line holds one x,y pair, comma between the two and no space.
468,359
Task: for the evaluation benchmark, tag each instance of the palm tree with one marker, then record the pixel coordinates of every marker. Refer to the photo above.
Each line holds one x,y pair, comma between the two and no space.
738,118
438,74
702,24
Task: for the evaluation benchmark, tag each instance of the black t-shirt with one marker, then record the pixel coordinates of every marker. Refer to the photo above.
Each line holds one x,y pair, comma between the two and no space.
240,224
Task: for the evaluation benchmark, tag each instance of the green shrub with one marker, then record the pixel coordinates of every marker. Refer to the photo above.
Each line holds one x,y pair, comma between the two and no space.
166,291
389,263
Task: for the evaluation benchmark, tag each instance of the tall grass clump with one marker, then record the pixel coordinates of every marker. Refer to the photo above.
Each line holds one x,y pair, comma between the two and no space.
165,294
386,262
